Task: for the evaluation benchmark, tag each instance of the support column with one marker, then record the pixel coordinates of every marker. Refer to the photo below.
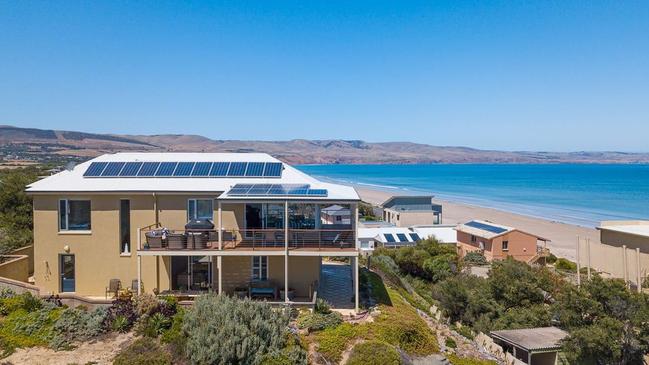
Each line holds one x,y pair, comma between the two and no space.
139,274
588,256
286,252
355,283
625,266
220,226
219,264
578,263
356,244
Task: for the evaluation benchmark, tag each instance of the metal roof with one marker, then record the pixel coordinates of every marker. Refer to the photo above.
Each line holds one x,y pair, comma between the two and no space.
532,339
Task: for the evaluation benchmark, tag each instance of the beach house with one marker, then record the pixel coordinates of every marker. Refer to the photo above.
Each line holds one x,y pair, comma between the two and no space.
183,224
632,234
410,210
498,242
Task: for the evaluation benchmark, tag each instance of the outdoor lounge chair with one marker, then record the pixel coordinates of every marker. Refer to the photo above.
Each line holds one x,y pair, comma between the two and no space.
262,289
114,285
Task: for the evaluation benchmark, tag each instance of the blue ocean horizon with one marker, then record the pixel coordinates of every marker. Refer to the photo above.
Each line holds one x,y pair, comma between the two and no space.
582,194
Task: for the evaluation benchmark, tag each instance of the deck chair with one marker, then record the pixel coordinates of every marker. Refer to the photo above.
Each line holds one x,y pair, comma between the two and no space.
114,285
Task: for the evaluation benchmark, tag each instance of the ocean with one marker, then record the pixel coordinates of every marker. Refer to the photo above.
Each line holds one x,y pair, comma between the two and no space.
570,193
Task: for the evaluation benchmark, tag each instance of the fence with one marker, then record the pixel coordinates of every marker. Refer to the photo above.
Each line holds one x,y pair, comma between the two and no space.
624,263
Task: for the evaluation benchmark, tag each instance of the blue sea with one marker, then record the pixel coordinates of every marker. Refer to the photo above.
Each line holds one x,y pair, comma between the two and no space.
569,193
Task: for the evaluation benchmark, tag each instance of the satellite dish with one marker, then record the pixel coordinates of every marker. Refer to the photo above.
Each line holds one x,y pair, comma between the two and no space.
70,165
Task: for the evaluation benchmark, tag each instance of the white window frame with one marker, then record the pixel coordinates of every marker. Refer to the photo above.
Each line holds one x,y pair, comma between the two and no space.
194,202
256,265
505,245
67,216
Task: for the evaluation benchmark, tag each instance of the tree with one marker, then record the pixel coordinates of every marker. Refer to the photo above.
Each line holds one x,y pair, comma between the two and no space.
15,208
514,283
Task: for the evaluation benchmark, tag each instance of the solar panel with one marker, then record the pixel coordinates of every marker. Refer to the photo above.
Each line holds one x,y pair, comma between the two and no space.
255,169
95,169
220,169
202,169
237,169
273,169
402,237
317,192
184,169
131,169
486,227
275,190
261,189
415,237
389,237
148,169
113,169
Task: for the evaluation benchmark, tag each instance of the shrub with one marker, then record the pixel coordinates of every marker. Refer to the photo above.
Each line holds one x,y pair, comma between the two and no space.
6,293
319,321
78,325
121,315
27,329
374,353
322,306
439,267
456,360
450,342
226,330
153,325
25,301
143,351
175,337
145,304
551,259
565,265
475,258
292,354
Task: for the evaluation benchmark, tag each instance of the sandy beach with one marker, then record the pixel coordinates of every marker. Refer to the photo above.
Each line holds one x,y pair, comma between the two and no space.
563,236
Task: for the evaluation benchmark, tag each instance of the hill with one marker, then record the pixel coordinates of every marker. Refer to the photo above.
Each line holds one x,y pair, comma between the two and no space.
47,145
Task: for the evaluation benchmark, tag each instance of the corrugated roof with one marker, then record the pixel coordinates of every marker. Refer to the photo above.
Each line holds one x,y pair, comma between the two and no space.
73,181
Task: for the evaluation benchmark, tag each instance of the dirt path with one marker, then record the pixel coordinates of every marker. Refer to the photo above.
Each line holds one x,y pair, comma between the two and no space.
101,351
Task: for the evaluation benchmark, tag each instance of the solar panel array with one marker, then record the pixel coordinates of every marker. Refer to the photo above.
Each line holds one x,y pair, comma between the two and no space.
276,190
184,169
400,237
486,227
415,237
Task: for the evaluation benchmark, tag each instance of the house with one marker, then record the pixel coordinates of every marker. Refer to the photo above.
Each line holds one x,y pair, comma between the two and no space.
410,210
336,214
393,237
189,223
532,346
497,242
632,234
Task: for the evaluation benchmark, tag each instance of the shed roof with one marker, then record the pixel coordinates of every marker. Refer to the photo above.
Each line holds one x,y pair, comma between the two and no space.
533,339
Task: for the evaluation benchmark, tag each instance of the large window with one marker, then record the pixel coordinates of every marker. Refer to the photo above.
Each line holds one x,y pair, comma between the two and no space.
74,215
259,268
200,209
259,216
302,216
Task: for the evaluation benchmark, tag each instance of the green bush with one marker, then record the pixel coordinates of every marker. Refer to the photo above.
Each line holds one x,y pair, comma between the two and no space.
456,360
374,353
153,325
143,351
565,265
27,329
322,306
450,342
551,259
121,324
175,337
475,258
12,302
224,330
319,321
77,325
145,304
292,354
439,267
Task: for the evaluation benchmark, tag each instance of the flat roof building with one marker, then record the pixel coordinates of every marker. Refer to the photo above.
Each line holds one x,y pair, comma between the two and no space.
411,210
533,346
632,234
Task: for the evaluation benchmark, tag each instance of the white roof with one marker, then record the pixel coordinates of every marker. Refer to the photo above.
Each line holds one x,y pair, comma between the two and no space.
490,231
442,233
73,181
638,228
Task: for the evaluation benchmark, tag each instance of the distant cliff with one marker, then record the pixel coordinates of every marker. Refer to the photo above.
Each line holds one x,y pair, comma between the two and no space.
39,144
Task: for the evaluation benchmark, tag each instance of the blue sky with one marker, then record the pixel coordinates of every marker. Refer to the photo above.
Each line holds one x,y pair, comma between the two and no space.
513,75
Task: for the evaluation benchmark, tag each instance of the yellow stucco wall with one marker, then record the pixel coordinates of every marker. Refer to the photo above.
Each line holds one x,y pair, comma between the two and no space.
15,268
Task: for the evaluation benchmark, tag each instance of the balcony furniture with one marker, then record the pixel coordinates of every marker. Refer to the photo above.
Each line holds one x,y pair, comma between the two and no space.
176,241
114,285
197,240
155,238
262,289
198,233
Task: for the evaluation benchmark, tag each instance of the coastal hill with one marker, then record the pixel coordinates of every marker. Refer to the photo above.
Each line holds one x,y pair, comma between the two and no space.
38,144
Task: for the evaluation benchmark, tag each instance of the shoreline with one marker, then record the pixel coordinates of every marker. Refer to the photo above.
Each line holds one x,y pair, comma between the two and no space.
563,236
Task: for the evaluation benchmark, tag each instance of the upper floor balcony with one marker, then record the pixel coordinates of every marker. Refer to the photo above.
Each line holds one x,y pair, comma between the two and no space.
257,227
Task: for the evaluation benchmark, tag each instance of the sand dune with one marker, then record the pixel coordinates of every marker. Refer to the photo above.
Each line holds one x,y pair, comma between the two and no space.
563,236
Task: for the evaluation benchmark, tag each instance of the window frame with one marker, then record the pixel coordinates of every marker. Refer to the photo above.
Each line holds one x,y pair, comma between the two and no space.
258,267
65,217
505,245
195,204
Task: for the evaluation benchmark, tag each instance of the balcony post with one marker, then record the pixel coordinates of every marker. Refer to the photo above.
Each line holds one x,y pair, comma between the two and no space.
139,274
355,228
219,223
219,264
286,251
355,283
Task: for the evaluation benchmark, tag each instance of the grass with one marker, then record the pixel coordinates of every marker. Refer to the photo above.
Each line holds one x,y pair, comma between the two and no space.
456,360
398,324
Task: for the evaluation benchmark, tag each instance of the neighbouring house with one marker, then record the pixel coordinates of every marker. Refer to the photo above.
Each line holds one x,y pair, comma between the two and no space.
336,214
632,234
189,223
393,237
532,346
410,210
498,242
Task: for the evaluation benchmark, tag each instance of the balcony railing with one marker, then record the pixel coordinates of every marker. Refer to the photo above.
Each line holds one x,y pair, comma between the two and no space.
153,238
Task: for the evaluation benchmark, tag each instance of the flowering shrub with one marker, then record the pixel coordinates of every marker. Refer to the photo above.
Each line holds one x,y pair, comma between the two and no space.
121,315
